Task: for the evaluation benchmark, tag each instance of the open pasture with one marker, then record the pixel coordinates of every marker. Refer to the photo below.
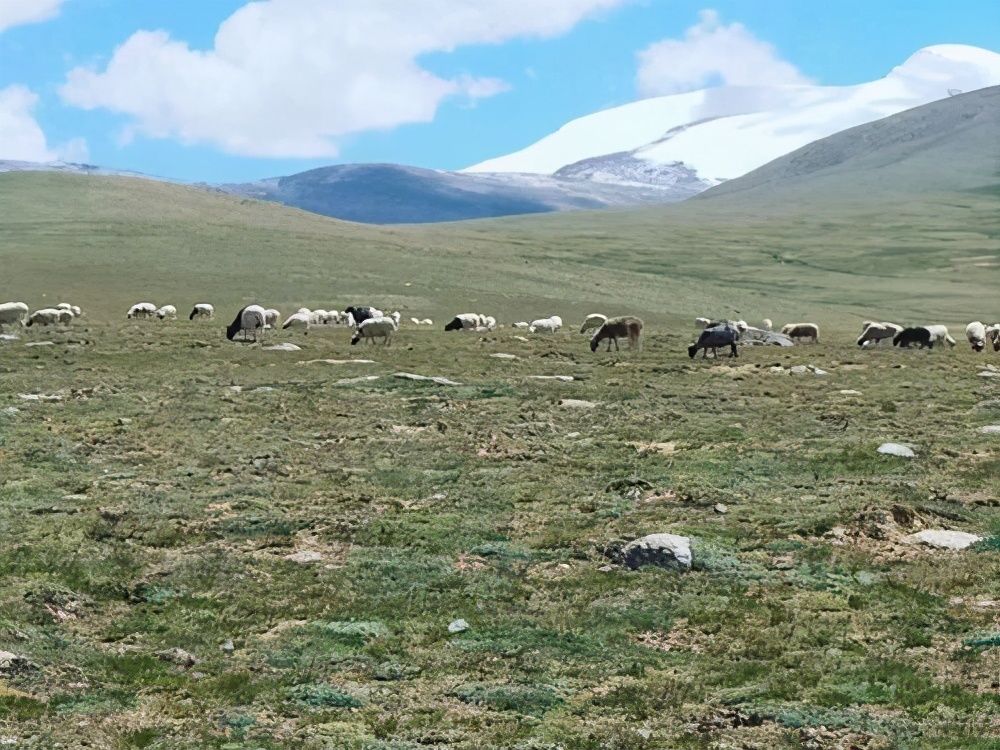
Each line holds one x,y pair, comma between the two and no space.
208,545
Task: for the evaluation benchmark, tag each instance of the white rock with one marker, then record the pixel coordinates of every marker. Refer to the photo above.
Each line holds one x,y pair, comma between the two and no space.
502,355
363,379
662,550
458,626
305,556
520,338
8,337
438,380
798,370
576,403
989,374
285,346
338,362
560,378
990,429
817,371
943,539
849,392
52,343
895,449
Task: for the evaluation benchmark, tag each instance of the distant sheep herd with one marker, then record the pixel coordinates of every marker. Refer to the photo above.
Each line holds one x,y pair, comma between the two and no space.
369,324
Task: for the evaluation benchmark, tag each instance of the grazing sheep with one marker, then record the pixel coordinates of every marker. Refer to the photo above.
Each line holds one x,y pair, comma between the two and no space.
767,325
373,328
360,313
298,320
939,335
72,309
975,332
908,336
167,311
546,325
993,336
802,331
489,322
702,323
875,333
427,322
248,320
396,317
592,321
713,338
617,328
49,316
463,322
13,313
202,310
271,318
141,310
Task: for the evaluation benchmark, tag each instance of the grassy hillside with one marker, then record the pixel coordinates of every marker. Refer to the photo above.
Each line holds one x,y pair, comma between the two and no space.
172,491
107,242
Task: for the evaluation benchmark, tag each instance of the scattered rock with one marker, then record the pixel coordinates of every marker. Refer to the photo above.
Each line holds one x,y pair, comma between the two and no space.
991,429
11,664
177,656
664,449
721,508
560,378
11,410
124,421
663,550
896,449
338,362
520,338
410,376
8,337
576,403
502,355
227,647
40,397
284,346
798,370
235,389
363,379
305,556
606,568
849,392
40,343
402,429
458,626
75,498
943,539
989,374
817,371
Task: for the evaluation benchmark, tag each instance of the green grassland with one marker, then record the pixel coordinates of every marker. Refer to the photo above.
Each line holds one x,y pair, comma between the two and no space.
155,502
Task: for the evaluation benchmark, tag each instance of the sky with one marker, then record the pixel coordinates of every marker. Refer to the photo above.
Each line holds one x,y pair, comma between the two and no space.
230,90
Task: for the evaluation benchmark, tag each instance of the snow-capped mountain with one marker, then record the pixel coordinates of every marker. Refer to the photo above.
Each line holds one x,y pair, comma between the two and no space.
720,133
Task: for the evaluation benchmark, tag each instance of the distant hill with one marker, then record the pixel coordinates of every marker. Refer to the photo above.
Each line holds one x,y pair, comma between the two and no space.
395,194
949,145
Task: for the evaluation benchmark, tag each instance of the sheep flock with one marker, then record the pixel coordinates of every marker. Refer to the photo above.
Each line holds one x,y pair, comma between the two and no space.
370,324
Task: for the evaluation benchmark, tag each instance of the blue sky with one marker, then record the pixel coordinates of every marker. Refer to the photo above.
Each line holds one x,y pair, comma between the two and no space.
295,84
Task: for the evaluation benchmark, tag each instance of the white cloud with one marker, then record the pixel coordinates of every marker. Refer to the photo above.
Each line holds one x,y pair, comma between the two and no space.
20,12
712,53
22,138
288,77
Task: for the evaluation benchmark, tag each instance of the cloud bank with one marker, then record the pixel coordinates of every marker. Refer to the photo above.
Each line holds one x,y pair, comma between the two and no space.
288,78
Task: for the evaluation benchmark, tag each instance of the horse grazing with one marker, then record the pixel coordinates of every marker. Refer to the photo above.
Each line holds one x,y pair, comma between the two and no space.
617,328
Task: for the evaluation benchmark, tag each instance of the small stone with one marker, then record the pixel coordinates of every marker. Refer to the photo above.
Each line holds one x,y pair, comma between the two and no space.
40,343
663,550
75,498
502,355
943,539
177,656
606,568
458,626
989,374
228,646
439,380
721,508
305,556
123,421
11,663
991,429
817,371
560,378
896,449
576,403
283,347
572,435
12,410
849,392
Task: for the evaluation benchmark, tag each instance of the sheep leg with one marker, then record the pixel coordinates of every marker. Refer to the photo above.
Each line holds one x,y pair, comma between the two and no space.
617,348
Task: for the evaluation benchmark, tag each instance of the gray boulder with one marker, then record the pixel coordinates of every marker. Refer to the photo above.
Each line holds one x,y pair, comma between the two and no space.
662,550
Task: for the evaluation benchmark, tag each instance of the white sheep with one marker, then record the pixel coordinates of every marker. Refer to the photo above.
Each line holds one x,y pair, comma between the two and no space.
463,322
592,321
875,333
490,323
141,310
767,325
248,320
49,316
298,320
202,310
396,317
702,322
13,313
546,325
373,328
271,318
802,331
993,336
167,311
939,334
975,332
